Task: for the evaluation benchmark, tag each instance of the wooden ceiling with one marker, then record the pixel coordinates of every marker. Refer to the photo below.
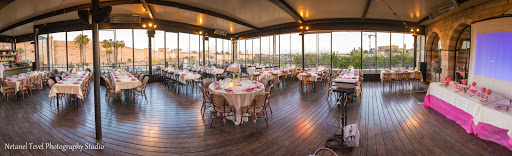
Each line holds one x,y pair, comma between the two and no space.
235,16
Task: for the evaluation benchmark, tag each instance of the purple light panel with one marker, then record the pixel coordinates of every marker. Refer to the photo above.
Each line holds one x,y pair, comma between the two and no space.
493,55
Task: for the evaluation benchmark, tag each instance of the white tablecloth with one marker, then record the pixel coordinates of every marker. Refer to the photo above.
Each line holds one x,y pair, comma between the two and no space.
239,98
233,68
348,77
68,87
125,82
481,111
214,71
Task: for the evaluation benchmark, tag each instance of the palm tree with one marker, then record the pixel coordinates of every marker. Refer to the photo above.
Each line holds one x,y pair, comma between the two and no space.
81,40
117,45
20,51
108,44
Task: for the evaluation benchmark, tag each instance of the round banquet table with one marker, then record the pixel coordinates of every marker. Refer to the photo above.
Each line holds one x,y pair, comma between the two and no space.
238,98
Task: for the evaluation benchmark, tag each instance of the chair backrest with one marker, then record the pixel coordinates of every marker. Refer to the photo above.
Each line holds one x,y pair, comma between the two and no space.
141,76
264,81
219,101
206,96
51,83
206,82
399,76
386,76
305,77
407,75
417,75
259,100
4,84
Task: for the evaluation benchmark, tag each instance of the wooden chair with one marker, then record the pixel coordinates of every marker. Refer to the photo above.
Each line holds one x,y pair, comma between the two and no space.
330,84
276,78
257,107
305,81
7,90
23,88
255,77
113,91
207,99
386,77
206,82
50,84
221,106
141,90
418,77
407,77
264,81
399,77
141,76
269,91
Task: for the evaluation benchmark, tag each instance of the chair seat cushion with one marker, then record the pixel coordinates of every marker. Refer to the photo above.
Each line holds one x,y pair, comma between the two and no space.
222,110
252,108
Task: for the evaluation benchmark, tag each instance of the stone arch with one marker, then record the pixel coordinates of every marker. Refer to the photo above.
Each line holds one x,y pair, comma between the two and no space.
431,37
456,30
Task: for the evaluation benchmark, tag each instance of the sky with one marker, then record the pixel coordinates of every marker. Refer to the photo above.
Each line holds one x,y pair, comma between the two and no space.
342,42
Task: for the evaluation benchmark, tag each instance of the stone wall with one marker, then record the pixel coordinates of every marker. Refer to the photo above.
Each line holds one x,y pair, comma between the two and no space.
448,28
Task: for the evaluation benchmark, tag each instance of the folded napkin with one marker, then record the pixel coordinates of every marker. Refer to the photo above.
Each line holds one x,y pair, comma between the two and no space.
216,82
354,77
79,79
248,89
261,72
195,73
259,85
60,81
76,82
217,86
183,74
254,81
227,89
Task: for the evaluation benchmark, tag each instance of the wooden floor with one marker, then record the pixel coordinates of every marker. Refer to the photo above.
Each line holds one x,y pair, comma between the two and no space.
391,123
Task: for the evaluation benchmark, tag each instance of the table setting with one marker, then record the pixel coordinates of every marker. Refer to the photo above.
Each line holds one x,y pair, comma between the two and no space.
238,93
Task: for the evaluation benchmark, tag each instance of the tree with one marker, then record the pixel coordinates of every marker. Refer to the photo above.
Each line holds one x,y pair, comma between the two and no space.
108,44
20,51
117,45
81,40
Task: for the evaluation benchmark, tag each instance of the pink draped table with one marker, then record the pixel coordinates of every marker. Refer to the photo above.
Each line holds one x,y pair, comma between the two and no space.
475,116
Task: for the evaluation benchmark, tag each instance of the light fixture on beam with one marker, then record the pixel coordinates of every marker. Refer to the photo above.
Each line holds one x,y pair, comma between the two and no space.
150,27
414,31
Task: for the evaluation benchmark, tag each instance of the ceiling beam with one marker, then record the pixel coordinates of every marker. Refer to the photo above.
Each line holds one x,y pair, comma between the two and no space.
288,9
146,7
200,10
67,10
366,7
4,3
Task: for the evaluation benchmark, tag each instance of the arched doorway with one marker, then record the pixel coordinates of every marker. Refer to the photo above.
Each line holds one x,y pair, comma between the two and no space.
462,53
433,52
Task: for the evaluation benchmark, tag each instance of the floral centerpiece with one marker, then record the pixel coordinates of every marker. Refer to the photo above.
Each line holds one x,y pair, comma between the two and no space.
350,68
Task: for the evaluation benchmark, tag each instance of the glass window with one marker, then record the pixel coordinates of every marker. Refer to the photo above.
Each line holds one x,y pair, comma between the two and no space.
296,53
284,48
277,51
265,50
324,50
346,50
227,51
212,51
369,50
184,44
107,49
397,50
141,56
4,45
408,51
26,52
241,52
58,51
171,44
194,49
383,50
256,46
124,50
310,50
250,56
43,51
220,52
157,47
